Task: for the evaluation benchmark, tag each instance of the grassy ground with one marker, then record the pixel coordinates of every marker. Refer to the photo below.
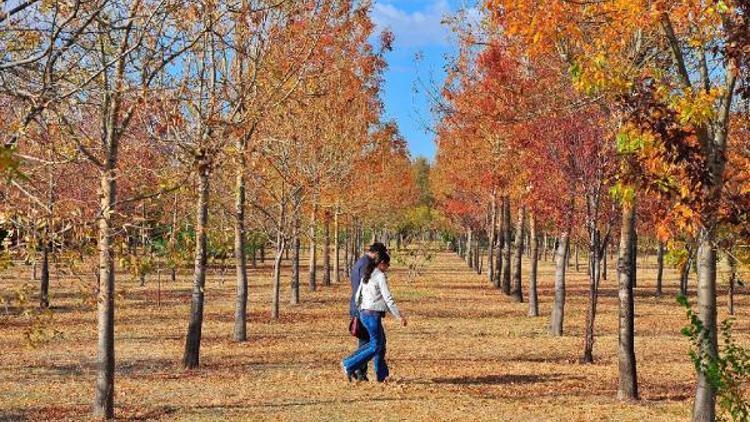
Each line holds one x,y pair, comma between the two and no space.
469,353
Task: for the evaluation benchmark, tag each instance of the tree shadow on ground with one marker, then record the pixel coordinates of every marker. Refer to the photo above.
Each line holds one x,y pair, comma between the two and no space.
502,379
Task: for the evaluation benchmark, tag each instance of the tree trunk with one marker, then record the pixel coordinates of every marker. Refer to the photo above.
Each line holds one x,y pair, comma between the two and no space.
296,246
578,268
312,280
732,282
588,338
477,255
634,254
191,357
336,247
105,305
704,408
604,265
533,300
518,257
628,379
326,251
240,258
497,280
492,239
469,247
685,269
659,268
44,280
507,249
558,309
280,245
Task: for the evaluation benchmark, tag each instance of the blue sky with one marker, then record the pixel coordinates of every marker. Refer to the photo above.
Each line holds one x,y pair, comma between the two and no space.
417,29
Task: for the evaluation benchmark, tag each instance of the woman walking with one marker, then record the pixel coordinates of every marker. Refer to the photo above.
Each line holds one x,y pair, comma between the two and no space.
373,300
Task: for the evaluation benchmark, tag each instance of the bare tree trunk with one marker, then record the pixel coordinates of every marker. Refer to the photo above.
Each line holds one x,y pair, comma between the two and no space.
280,245
326,251
685,269
492,239
588,338
558,309
240,258
634,254
533,300
704,408
732,282
347,248
578,268
469,247
295,260
628,379
44,280
105,307
191,357
660,268
312,280
604,265
507,249
477,255
497,281
517,292
336,247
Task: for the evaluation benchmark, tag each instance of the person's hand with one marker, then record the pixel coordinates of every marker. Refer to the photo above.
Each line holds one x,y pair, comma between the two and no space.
403,321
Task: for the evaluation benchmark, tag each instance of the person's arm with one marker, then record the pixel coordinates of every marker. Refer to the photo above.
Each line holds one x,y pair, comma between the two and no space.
388,297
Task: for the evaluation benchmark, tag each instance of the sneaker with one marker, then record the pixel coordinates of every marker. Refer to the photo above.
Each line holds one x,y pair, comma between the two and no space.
348,374
361,376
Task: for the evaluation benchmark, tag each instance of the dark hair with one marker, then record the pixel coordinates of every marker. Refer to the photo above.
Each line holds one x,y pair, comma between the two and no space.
382,258
378,247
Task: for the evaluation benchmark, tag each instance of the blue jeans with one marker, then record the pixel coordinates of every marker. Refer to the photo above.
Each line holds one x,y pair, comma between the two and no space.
362,342
374,349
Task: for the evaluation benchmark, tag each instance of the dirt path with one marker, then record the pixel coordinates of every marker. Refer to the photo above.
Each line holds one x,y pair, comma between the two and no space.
469,353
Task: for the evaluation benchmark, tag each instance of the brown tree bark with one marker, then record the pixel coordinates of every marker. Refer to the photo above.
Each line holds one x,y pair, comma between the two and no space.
533,299
469,247
704,407
240,257
558,308
312,275
296,246
517,293
105,308
628,379
492,239
507,250
275,303
336,247
44,279
659,268
191,356
326,250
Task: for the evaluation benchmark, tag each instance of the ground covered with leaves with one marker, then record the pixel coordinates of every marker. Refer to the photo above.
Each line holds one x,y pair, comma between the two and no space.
469,353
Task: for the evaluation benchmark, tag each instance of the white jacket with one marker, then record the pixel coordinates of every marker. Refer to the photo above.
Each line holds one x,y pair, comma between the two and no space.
376,296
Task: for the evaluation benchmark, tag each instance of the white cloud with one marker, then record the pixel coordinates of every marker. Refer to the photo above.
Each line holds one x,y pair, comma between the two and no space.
418,28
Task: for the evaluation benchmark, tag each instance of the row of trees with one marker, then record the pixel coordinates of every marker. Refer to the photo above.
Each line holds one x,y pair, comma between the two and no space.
583,118
146,134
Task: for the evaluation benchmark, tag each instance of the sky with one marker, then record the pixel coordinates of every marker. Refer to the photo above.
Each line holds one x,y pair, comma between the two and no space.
417,27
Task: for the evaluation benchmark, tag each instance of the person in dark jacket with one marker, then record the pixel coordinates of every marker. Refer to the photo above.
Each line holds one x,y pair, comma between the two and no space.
358,271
